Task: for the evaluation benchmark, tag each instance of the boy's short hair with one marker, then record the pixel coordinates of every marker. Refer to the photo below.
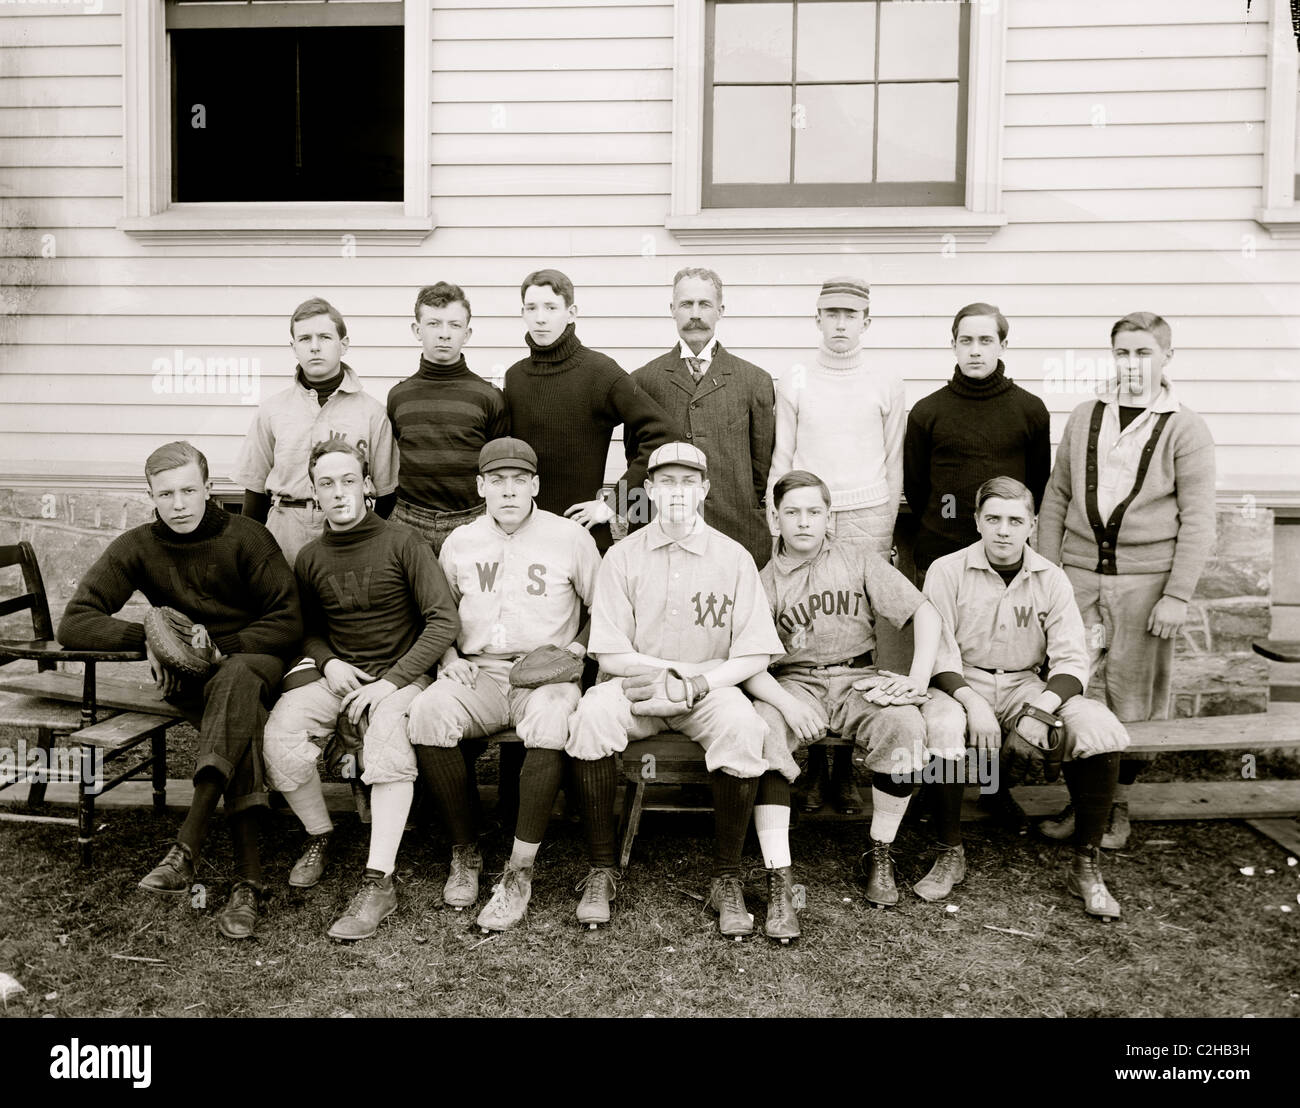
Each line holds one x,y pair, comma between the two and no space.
799,479
439,296
173,455
1004,488
1145,321
317,305
703,274
1004,328
335,445
552,279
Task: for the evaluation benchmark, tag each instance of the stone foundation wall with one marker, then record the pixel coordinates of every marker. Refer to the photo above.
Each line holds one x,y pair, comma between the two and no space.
1216,672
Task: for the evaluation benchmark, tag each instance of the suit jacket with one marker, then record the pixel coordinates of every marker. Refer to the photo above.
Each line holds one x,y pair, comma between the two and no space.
732,418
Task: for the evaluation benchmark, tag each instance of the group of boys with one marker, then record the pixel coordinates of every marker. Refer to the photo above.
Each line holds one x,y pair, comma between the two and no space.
441,544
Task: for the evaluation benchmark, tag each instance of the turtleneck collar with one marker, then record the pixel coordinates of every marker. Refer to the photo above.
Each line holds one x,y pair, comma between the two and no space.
995,384
829,359
323,389
369,525
212,524
551,359
432,371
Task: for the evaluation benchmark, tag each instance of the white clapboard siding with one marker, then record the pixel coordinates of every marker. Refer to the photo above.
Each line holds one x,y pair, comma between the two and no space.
1132,148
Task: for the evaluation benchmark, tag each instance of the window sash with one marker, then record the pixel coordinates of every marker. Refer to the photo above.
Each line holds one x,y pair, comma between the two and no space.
835,194
201,14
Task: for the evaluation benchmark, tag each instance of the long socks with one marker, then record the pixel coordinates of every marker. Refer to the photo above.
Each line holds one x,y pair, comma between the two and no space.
442,769
772,819
597,782
733,804
888,805
308,804
390,804
539,783
245,831
208,787
1092,785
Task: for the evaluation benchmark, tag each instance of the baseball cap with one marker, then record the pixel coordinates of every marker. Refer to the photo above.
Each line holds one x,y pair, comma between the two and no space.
678,454
845,292
507,453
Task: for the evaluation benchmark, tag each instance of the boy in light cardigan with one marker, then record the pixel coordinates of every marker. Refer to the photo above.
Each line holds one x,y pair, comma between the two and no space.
843,420
1129,514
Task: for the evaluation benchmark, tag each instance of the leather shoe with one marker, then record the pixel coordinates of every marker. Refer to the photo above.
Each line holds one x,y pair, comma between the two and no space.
174,875
238,918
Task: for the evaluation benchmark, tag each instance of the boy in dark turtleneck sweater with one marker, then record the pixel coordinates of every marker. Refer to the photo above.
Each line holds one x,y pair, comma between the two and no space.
326,400
442,417
378,615
226,573
565,401
978,426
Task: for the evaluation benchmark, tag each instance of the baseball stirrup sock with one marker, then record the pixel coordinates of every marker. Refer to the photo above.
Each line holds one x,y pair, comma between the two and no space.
442,769
773,789
772,819
510,766
733,804
947,811
471,750
523,855
245,830
308,804
887,806
1092,785
208,787
1129,768
597,782
539,784
390,804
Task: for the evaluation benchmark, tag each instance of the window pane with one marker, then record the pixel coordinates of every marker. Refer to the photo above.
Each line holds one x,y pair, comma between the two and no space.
918,133
919,41
837,42
752,42
751,135
835,142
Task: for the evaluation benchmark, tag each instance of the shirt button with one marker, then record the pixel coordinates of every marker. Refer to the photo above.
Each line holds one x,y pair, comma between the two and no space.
1091,488
689,435
1105,546
674,611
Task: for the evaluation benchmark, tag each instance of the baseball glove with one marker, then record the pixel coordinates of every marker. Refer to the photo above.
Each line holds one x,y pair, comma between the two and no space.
546,665
1018,750
176,643
663,692
344,748
868,687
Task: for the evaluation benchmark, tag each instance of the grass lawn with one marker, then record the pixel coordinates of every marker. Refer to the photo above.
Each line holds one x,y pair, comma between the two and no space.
1198,938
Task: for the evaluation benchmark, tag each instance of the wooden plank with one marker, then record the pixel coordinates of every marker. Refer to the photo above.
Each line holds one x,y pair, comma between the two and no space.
1279,726
34,711
1183,800
1135,74
1151,106
612,20
1202,40
1284,832
110,693
1165,172
1153,140
1118,15
122,730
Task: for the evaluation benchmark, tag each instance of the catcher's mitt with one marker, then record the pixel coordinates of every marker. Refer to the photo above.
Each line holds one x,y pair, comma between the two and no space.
1018,749
663,692
546,665
179,643
344,748
868,687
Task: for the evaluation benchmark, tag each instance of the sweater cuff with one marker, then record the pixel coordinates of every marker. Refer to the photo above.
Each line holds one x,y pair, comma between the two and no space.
948,682
227,644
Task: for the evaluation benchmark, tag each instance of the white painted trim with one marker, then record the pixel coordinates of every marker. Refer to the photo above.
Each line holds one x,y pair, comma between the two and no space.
150,217
691,224
1280,214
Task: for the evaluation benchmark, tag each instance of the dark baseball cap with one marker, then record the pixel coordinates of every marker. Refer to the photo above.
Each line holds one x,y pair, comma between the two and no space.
507,453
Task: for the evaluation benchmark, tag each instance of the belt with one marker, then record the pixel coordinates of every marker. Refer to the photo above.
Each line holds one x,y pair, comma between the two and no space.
862,661
420,511
1000,672
278,501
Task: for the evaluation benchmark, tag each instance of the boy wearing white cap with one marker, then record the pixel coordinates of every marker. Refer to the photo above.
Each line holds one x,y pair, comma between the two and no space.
680,615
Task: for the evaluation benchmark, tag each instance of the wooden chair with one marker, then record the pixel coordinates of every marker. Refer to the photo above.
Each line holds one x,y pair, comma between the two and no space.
46,702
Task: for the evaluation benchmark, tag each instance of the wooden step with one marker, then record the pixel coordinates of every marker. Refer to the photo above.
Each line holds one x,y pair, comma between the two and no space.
1279,726
128,696
17,710
122,730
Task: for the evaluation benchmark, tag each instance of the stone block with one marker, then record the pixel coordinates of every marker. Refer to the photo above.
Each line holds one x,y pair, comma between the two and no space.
65,556
1217,675
1286,564
1242,562
1224,626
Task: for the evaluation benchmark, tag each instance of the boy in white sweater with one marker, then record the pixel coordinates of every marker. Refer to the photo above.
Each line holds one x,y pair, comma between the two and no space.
843,420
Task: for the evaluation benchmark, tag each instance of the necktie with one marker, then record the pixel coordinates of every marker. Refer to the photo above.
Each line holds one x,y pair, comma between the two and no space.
697,368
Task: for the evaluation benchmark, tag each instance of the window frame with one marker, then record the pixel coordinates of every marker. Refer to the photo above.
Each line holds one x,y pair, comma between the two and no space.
974,221
1280,213
150,216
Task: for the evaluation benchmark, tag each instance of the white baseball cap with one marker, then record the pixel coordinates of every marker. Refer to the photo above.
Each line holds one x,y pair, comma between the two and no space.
678,454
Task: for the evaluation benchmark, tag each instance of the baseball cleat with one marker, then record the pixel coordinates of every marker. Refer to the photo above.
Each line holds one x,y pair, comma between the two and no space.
727,898
509,903
461,890
1058,828
307,870
846,796
373,903
881,890
174,875
598,888
1118,827
1085,882
949,869
782,922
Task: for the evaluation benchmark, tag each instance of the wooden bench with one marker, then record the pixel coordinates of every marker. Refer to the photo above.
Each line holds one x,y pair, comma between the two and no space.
670,758
58,704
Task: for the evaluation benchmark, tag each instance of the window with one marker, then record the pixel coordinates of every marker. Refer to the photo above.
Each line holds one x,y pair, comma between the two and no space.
1280,213
836,120
814,104
292,121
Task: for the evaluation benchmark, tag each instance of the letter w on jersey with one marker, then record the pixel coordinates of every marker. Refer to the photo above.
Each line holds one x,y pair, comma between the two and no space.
353,595
1024,613
487,575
